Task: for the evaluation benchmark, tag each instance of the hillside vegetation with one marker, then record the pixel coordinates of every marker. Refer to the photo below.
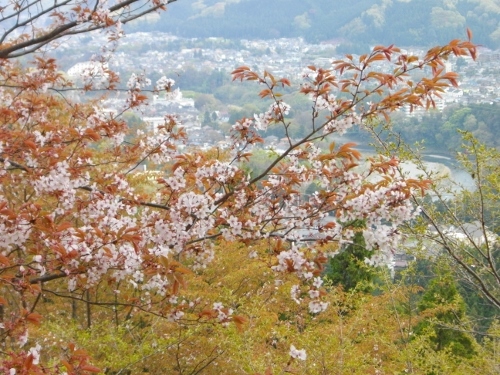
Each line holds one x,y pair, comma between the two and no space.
404,22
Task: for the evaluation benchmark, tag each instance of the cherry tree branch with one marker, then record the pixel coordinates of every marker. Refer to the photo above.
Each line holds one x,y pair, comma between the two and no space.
73,27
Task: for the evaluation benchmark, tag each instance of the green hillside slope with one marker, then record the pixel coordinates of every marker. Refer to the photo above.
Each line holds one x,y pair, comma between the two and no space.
405,22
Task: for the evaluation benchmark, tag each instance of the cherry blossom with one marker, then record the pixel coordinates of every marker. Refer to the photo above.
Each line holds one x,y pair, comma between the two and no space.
76,205
299,354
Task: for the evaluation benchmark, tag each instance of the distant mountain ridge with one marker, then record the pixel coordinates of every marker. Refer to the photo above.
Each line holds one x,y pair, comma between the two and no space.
404,22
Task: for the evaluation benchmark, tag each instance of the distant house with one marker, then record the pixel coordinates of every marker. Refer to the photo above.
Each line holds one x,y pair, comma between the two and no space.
488,57
174,98
453,95
472,232
440,104
271,141
401,261
468,234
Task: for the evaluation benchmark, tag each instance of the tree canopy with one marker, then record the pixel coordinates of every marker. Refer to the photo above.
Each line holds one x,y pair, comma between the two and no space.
115,224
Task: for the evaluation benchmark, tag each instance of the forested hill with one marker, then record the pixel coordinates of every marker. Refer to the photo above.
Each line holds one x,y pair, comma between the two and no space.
405,22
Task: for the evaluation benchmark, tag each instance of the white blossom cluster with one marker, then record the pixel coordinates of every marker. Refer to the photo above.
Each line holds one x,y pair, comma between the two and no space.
341,125
164,83
175,315
138,82
24,109
218,171
59,179
325,102
293,259
177,180
95,74
316,304
223,314
243,124
135,98
234,229
276,111
297,353
190,216
262,120
95,120
43,139
6,97
160,146
35,353
156,283
195,205
14,232
384,210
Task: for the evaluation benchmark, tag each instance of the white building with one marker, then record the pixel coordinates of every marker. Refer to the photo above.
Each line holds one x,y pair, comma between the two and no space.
440,104
174,97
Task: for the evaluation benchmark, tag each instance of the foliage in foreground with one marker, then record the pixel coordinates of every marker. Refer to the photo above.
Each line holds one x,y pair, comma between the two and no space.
359,334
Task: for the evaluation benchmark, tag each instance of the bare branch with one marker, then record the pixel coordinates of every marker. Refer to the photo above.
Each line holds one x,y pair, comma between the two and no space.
15,48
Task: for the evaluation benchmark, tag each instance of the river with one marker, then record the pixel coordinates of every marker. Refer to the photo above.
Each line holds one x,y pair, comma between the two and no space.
444,164
458,176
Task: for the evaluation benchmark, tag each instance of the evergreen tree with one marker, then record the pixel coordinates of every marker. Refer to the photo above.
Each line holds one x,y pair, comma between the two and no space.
349,268
444,312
